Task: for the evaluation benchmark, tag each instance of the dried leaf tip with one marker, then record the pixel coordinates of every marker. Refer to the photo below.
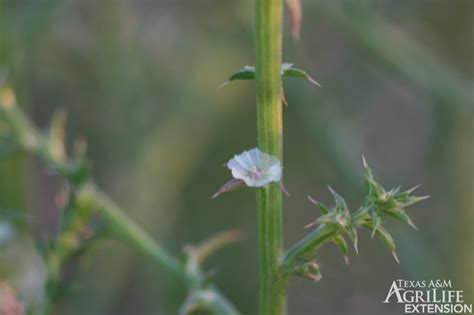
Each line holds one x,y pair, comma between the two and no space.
310,79
223,84
313,201
296,14
311,224
231,185
394,254
346,260
364,162
331,190
283,189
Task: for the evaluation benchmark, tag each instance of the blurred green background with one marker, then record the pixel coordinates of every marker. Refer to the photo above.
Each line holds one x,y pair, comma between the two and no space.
138,80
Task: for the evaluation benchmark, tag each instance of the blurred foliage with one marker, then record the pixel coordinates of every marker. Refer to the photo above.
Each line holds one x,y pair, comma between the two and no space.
138,80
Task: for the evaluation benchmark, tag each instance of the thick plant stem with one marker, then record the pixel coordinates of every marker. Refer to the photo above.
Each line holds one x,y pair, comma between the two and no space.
268,38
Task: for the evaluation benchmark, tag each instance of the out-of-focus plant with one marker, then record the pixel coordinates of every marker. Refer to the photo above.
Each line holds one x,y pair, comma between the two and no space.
261,168
89,215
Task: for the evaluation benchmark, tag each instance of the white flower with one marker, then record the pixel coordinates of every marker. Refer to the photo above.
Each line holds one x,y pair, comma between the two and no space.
255,168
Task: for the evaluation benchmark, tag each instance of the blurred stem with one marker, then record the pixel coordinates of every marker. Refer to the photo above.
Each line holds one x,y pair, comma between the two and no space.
31,140
12,167
130,231
11,182
268,43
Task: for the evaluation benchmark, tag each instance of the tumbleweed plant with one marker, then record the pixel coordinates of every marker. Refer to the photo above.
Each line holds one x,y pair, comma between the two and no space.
89,215
261,168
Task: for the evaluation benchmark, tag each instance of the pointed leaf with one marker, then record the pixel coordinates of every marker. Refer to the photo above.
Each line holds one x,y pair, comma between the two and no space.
287,70
409,191
368,171
246,73
341,204
384,235
342,244
327,218
414,199
394,191
376,221
352,232
401,215
292,72
374,189
323,209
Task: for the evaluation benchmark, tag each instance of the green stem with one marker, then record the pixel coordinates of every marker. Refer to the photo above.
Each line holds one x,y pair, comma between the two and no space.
311,242
30,139
268,38
129,230
308,244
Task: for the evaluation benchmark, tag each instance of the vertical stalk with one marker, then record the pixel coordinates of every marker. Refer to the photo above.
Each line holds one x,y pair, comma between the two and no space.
268,38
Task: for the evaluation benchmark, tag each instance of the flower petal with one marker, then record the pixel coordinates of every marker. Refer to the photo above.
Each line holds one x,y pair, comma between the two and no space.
255,168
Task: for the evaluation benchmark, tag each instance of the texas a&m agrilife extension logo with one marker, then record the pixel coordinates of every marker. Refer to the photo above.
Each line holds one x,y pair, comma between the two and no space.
428,297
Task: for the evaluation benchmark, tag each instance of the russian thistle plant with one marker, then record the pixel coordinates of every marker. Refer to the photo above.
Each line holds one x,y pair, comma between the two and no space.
262,168
90,214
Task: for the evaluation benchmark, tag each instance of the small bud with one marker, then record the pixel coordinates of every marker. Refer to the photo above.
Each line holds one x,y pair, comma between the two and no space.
309,269
342,244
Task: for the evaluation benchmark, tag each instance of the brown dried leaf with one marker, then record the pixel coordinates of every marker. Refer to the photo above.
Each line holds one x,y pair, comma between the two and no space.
296,15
